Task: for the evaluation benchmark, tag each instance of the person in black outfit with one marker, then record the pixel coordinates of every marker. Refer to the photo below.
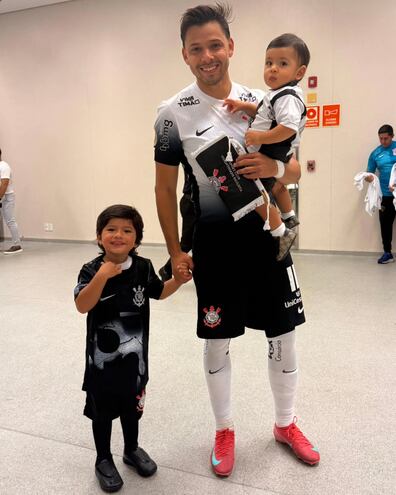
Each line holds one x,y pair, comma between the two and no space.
114,289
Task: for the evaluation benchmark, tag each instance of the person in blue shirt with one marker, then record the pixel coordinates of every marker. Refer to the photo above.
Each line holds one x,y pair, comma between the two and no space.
382,160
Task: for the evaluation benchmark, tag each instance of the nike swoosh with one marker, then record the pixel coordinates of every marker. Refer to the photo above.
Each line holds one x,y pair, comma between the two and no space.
107,297
300,310
215,462
287,371
213,372
199,133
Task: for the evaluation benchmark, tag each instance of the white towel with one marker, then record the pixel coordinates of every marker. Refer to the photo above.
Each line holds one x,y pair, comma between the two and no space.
373,196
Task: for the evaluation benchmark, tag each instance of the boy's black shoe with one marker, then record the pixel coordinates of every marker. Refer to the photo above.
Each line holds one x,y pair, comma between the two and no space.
141,461
108,476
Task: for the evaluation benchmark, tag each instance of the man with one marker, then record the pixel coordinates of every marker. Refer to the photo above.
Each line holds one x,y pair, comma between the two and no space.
7,199
382,159
238,280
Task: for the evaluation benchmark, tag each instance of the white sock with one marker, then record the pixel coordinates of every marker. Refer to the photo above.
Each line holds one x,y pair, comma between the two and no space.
279,231
217,366
288,214
282,373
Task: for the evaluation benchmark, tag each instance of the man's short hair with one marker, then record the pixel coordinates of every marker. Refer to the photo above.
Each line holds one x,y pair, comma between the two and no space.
386,129
202,14
293,41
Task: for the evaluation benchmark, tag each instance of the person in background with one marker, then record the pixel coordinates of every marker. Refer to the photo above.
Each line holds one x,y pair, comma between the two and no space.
7,199
381,160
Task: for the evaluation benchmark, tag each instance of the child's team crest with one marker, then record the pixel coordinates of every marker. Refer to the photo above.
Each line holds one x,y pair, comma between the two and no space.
212,318
138,298
217,182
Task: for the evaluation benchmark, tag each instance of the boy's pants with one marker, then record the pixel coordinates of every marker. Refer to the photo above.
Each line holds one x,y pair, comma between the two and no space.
7,210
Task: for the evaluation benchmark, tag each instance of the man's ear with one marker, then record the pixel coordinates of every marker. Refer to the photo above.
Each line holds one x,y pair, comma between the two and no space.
231,47
185,55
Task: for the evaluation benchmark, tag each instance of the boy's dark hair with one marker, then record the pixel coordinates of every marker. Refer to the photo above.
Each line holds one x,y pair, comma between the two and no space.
291,40
125,212
202,14
384,129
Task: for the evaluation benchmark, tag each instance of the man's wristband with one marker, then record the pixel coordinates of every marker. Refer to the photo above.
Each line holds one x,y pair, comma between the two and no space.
281,169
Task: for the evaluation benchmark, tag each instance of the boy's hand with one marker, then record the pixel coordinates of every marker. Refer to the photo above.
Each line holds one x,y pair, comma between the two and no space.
109,269
232,105
369,178
184,271
253,137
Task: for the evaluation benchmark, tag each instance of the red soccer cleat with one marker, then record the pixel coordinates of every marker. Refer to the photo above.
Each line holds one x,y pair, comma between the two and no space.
222,458
295,438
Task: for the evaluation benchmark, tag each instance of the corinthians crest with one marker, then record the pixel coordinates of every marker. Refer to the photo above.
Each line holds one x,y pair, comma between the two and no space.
138,298
212,318
217,181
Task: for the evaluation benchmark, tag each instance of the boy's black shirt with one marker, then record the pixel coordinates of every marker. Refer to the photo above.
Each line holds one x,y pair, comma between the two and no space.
118,328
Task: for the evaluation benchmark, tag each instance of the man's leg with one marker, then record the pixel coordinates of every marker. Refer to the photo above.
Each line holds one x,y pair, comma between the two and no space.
217,366
387,216
282,372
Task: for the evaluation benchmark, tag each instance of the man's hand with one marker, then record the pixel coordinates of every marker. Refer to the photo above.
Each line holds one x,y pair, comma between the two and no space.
182,267
256,166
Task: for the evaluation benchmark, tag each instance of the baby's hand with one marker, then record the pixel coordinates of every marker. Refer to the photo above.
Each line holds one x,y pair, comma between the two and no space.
232,105
392,188
109,269
253,137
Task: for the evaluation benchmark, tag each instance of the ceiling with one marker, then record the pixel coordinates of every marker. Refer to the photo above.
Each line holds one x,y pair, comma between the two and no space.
13,5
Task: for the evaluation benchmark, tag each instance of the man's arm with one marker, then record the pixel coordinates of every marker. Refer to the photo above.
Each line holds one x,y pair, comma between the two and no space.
166,198
258,166
3,186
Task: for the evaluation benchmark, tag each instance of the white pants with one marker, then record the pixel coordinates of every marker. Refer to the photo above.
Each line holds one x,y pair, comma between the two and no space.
8,202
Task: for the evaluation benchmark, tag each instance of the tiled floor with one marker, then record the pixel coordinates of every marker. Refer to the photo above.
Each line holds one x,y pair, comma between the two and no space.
346,399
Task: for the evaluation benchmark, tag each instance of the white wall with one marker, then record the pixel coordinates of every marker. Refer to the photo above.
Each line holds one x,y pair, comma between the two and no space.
80,82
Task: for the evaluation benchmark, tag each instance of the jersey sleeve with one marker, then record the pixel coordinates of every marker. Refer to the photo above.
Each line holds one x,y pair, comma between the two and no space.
288,110
155,286
168,148
86,274
372,165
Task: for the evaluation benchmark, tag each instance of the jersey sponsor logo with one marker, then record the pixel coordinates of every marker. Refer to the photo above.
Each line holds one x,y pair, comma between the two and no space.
164,139
187,101
247,97
212,318
199,133
138,298
294,301
107,297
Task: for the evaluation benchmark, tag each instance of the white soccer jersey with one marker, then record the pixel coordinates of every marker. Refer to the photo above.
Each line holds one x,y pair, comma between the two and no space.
5,173
287,111
189,120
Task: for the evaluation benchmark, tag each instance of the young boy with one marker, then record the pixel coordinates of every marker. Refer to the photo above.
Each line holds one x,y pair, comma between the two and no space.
114,289
278,122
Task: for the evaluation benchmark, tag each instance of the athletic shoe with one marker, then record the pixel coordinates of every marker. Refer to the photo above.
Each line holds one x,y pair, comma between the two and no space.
297,441
292,222
386,258
222,458
285,243
13,250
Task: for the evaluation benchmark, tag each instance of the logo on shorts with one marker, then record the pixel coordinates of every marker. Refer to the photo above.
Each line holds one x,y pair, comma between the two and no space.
138,298
212,318
217,182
